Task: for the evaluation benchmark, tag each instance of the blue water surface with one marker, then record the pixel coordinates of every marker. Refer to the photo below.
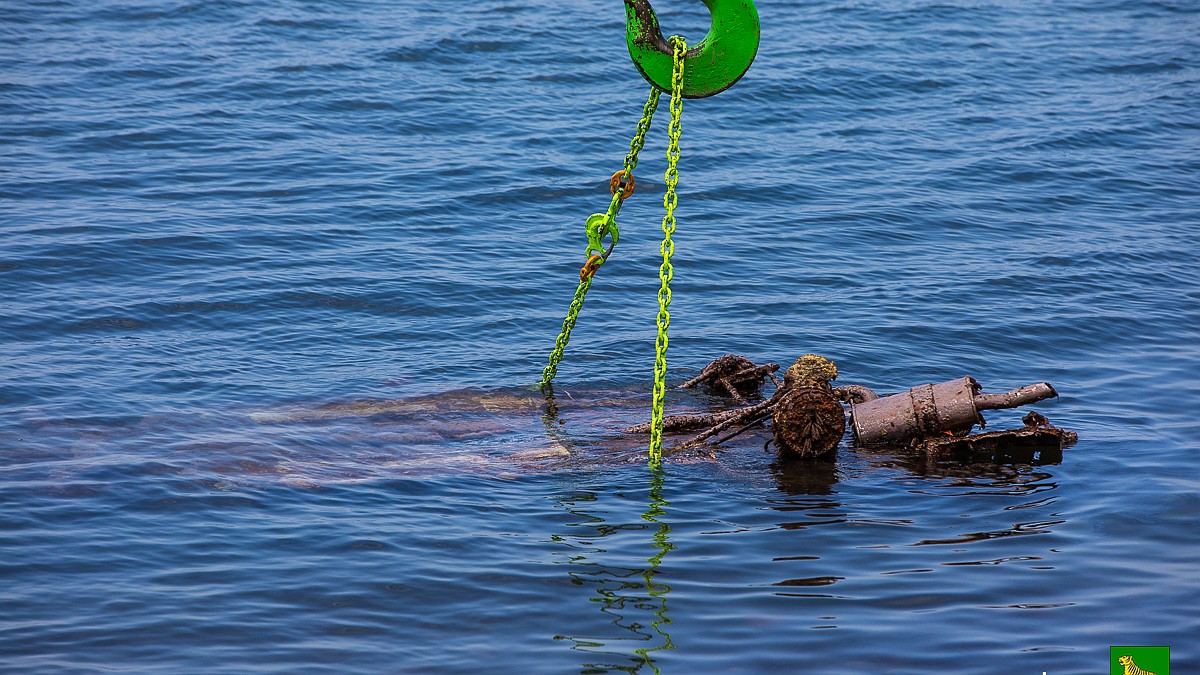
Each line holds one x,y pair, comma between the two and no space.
277,280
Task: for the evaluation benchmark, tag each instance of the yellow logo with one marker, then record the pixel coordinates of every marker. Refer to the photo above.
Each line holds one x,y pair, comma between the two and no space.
1139,660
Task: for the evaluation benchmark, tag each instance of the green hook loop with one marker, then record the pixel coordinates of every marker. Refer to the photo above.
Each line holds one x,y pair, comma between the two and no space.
598,225
714,65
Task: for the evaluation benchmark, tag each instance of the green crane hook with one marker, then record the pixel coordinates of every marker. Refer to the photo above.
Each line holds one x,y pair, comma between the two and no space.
714,65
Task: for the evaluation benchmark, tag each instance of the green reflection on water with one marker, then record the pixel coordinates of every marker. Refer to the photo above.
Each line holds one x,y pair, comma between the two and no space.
657,590
623,592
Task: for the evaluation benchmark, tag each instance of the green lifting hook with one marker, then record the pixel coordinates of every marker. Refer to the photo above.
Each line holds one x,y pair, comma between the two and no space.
714,65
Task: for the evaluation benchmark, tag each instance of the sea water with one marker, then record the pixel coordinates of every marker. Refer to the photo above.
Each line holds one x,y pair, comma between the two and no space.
277,280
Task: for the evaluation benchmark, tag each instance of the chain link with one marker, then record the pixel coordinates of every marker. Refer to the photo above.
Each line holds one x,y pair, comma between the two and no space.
643,127
666,272
564,336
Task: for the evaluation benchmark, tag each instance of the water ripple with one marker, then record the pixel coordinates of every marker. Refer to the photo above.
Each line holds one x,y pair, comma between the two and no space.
277,282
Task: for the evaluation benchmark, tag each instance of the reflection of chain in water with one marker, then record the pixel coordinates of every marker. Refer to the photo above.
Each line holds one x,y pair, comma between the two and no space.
551,420
617,589
658,591
550,417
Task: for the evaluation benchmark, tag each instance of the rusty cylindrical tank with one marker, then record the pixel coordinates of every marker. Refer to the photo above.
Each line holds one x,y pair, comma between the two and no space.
933,409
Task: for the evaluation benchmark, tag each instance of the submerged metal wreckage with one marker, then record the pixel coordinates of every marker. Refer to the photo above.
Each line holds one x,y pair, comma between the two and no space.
808,420
806,413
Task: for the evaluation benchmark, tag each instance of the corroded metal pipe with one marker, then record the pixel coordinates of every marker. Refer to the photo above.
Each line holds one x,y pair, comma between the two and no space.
1017,397
933,409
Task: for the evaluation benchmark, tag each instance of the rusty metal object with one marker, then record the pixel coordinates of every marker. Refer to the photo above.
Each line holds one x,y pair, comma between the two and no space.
1037,443
685,422
808,420
735,375
589,268
935,409
854,393
617,183
730,374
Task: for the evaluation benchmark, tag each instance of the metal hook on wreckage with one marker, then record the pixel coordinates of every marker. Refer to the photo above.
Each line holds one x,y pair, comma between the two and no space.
713,65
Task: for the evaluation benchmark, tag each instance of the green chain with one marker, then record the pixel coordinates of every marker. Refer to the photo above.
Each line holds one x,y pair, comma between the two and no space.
665,271
565,335
639,138
609,226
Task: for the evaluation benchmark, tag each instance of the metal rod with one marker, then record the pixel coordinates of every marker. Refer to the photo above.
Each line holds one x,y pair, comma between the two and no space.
1017,397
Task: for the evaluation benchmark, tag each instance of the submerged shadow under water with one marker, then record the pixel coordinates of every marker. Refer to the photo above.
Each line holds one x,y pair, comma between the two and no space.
500,432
